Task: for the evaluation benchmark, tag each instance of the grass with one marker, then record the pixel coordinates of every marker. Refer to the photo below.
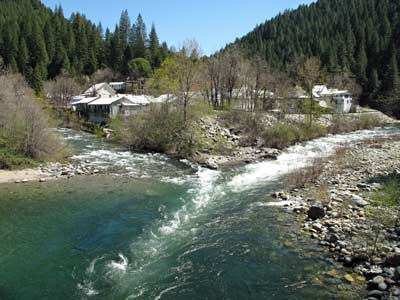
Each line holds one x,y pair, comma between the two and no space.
10,160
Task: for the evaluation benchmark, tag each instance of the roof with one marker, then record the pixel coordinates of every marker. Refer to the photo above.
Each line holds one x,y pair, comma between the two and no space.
84,100
100,88
164,98
130,100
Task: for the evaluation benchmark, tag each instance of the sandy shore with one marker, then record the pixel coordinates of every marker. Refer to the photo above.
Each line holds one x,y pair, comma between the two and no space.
22,176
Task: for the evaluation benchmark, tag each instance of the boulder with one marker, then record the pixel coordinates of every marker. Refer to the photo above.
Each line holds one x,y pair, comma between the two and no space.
316,212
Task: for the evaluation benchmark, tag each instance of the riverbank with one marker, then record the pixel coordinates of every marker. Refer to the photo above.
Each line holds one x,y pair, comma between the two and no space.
337,207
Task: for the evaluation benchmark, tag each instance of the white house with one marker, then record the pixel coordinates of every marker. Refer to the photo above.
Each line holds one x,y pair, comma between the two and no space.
103,108
342,101
339,101
100,89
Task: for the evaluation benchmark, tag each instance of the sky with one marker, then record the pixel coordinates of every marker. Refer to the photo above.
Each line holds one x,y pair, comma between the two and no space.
213,23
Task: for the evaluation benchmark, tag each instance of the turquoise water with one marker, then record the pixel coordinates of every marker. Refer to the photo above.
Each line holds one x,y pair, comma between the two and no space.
149,227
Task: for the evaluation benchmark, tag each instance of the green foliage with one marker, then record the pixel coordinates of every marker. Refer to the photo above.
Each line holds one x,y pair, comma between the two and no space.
282,135
361,36
388,196
139,68
9,159
41,43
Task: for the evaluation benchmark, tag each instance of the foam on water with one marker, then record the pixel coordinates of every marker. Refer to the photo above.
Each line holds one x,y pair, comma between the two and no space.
158,241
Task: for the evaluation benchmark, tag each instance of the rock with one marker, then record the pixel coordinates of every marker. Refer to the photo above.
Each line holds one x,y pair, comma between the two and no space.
317,226
382,286
349,278
42,180
316,212
332,238
375,294
17,181
360,201
24,180
397,274
64,173
393,260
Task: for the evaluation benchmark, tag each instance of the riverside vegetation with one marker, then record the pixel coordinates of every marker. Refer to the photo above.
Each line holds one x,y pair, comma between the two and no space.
25,135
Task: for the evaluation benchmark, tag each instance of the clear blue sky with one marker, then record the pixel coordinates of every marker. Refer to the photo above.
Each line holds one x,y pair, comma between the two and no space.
213,23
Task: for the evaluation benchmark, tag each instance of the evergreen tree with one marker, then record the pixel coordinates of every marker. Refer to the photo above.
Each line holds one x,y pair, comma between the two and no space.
154,48
140,38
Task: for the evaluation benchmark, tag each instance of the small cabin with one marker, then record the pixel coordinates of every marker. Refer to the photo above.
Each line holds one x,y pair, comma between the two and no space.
342,102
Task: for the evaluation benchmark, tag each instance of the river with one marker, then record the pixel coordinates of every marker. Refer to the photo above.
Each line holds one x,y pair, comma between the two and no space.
150,227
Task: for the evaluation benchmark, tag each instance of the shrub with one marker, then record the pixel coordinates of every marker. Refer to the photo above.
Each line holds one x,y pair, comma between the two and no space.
161,129
342,124
24,123
282,135
300,178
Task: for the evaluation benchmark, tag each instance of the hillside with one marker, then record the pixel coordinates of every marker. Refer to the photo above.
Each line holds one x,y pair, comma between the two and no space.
41,43
357,37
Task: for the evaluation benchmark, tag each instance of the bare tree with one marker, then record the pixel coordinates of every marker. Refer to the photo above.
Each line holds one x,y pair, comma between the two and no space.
61,90
309,73
24,125
187,61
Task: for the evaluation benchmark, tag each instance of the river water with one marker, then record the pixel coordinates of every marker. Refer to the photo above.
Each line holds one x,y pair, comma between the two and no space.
150,227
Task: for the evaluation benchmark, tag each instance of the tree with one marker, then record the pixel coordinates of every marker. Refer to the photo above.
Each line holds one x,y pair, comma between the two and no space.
309,73
139,70
188,67
61,90
154,48
140,38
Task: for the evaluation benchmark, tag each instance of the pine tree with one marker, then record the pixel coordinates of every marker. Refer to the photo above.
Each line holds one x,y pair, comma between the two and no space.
154,48
140,38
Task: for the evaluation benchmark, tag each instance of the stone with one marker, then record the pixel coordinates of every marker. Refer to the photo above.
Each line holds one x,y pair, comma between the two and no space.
24,180
393,260
382,286
359,201
42,180
375,294
316,212
349,278
397,274
332,238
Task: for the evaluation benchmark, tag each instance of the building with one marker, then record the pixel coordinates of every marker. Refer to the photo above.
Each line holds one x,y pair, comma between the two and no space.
343,102
103,108
339,101
100,89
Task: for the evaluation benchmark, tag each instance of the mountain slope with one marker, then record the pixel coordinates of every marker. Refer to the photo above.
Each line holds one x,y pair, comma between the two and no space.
357,36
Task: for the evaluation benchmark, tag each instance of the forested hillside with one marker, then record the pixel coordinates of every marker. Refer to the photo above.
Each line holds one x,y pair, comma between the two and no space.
41,43
361,37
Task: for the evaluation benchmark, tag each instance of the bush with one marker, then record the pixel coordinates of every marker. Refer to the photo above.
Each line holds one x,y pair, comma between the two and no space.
300,178
343,124
282,135
24,124
161,129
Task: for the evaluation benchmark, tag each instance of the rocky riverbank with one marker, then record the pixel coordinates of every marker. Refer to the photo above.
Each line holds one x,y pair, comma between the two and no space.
337,208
